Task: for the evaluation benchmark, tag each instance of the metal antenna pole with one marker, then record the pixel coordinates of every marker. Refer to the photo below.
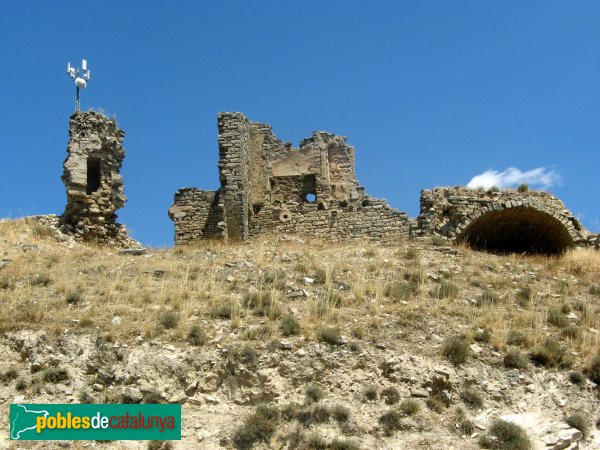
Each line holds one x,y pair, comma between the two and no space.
80,81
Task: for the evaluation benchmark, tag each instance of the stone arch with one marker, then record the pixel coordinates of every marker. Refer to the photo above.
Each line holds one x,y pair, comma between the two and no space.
517,229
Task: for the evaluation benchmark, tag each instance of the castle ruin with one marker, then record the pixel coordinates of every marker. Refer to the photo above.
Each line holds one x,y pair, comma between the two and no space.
267,185
91,173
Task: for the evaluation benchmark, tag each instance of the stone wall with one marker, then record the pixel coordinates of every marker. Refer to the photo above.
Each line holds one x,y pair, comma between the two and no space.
501,219
91,173
374,220
267,185
234,172
197,214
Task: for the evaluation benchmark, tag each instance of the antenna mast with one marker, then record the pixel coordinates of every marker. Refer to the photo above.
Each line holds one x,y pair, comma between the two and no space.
80,81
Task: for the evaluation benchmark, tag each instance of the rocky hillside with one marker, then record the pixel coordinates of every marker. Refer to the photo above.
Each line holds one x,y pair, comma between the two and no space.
289,343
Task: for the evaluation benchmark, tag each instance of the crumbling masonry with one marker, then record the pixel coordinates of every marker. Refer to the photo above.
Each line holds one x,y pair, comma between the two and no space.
91,176
267,185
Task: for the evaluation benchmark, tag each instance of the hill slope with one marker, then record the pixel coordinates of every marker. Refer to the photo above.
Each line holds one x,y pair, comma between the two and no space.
357,345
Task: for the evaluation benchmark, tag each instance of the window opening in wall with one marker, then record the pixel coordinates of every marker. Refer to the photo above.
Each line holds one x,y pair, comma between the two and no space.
93,174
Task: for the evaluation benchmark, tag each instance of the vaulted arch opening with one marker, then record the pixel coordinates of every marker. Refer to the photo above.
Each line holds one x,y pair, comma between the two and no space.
517,230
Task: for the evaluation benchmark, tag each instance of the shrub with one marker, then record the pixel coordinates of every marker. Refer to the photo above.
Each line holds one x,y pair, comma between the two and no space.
557,318
438,241
288,411
343,444
152,396
196,335
411,253
401,290
465,425
435,404
579,421
595,289
391,395
471,398
572,332
503,435
275,277
456,350
524,296
21,384
86,398
523,187
514,359
246,355
340,413
550,354
11,374
160,445
262,303
576,377
304,416
484,336
314,393
221,311
55,375
321,276
73,297
290,326
40,279
410,407
321,413
330,335
517,338
315,441
169,320
445,289
593,370
260,426
5,283
390,421
487,297
371,393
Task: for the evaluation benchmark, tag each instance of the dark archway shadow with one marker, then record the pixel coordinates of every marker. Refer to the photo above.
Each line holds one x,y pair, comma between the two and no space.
517,230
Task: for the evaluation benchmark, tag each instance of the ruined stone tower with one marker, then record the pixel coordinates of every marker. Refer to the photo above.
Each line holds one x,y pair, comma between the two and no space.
91,176
269,186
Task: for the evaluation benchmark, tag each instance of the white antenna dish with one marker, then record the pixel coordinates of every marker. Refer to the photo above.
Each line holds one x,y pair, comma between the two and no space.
81,79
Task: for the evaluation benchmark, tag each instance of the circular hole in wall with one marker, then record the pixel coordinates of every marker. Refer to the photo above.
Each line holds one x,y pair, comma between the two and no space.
310,197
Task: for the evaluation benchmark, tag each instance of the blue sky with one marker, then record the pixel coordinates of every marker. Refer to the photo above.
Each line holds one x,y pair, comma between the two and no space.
430,93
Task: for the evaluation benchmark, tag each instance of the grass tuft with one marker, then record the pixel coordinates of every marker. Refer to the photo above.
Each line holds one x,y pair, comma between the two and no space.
503,435
456,350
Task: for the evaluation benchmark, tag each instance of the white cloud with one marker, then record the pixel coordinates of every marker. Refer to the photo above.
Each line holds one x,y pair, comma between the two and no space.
513,177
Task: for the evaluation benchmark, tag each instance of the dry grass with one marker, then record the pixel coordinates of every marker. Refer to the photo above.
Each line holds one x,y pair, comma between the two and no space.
365,290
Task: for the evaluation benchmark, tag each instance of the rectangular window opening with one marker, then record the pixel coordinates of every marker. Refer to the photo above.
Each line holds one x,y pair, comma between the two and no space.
94,174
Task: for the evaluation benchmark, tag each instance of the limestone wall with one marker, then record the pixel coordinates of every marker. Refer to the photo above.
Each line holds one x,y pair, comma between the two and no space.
267,185
197,214
505,218
91,173
375,220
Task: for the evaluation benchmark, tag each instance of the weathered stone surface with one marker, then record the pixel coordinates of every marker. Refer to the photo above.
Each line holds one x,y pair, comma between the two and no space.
93,183
505,220
269,186
266,186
